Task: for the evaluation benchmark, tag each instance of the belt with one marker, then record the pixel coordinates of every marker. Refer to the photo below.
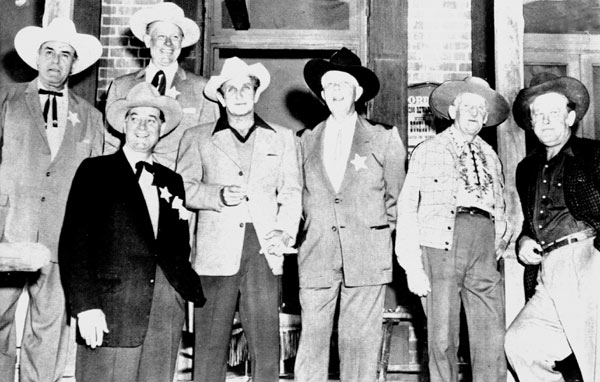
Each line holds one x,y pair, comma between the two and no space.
474,211
569,239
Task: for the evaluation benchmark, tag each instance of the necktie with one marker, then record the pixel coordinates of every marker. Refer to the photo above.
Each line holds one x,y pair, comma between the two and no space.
139,166
52,95
160,82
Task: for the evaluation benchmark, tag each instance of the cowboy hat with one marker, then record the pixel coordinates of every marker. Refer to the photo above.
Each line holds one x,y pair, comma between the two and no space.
444,95
144,95
29,40
235,67
546,82
168,12
344,61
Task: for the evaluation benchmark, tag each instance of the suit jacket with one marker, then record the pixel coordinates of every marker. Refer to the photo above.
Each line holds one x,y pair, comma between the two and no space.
34,188
209,160
187,89
355,223
108,250
581,184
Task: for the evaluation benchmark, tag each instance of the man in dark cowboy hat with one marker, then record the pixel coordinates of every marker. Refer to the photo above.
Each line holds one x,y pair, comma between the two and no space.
451,224
124,250
353,172
559,187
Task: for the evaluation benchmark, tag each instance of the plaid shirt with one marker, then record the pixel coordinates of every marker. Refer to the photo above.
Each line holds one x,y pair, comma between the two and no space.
427,202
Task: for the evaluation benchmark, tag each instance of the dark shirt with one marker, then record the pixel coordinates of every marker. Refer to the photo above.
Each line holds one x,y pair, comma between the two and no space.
223,124
552,219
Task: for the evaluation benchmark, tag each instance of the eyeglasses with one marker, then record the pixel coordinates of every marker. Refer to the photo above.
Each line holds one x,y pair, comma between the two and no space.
480,109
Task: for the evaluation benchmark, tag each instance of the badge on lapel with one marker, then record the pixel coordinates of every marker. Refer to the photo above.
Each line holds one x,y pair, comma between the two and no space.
359,162
176,203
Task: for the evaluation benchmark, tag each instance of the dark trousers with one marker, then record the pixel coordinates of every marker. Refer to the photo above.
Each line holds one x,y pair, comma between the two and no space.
466,273
155,359
258,291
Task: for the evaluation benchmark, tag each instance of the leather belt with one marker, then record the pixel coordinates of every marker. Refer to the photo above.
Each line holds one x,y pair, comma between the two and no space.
474,211
569,239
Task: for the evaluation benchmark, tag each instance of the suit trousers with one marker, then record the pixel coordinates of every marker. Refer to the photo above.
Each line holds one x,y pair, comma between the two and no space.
560,318
359,331
153,361
466,273
45,341
258,291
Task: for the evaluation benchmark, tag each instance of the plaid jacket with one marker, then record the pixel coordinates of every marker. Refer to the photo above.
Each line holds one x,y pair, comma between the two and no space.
427,202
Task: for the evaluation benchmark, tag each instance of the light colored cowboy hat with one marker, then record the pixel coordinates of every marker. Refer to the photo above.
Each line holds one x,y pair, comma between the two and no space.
235,67
168,12
29,39
344,61
546,82
444,95
145,95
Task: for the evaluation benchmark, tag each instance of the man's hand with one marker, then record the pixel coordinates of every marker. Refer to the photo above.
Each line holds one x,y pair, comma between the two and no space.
92,326
530,252
418,282
277,242
233,195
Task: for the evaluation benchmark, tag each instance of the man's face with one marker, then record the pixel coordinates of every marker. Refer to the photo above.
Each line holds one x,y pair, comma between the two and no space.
142,128
469,112
551,119
54,62
340,92
164,41
238,96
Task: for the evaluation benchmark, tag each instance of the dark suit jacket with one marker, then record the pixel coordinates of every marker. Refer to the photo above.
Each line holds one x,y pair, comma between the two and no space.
108,251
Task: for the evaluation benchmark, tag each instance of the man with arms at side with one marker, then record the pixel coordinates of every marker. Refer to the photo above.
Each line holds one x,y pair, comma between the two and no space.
165,31
125,249
452,229
45,132
559,188
242,176
353,172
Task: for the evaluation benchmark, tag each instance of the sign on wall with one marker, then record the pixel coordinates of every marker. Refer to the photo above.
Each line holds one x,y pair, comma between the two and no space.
420,117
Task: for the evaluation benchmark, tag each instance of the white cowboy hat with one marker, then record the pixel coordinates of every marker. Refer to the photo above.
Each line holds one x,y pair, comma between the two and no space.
235,67
145,95
165,12
29,39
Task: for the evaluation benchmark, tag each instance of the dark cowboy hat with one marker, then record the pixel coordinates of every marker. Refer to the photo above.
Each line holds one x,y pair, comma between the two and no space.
344,61
444,95
543,83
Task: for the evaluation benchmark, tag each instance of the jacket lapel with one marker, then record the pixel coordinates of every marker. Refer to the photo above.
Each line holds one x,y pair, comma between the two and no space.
359,152
313,157
35,109
224,141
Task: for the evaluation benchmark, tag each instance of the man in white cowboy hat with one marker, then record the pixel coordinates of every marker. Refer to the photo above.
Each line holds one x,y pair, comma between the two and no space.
165,31
124,250
559,188
46,131
452,230
242,176
353,172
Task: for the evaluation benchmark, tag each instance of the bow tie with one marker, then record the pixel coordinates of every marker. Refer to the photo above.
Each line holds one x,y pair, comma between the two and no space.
139,166
52,94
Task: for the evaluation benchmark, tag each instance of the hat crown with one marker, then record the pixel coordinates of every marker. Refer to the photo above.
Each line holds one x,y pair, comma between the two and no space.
234,66
542,77
345,57
61,26
166,11
477,81
143,90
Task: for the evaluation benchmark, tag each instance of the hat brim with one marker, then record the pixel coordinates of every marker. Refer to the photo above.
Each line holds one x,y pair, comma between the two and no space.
316,68
570,87
29,40
116,112
257,70
444,95
139,22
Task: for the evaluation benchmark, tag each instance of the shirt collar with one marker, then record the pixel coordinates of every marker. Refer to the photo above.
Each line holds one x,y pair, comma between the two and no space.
64,90
540,150
133,157
169,71
350,121
459,139
223,124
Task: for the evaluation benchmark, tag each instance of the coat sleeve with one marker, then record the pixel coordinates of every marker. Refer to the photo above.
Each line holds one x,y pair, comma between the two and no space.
394,173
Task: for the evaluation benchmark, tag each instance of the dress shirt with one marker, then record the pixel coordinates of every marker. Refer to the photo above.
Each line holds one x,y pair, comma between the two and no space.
146,179
337,143
169,71
55,134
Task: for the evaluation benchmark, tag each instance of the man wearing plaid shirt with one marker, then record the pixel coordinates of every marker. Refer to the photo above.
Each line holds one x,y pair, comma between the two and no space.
450,230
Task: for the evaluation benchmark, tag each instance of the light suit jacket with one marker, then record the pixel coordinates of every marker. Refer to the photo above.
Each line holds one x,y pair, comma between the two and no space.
34,189
208,161
187,89
356,223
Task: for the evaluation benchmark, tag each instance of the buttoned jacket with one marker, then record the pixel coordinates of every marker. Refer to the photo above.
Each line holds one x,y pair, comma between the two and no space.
187,89
208,160
109,252
427,203
354,224
33,187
